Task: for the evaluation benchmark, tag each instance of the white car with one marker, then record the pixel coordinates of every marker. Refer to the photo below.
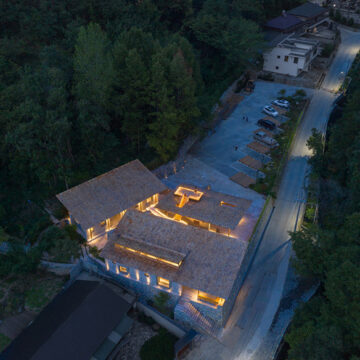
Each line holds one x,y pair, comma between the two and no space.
270,111
262,137
281,103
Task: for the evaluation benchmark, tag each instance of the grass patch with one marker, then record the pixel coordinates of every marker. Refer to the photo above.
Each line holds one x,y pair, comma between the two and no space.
159,347
4,342
41,294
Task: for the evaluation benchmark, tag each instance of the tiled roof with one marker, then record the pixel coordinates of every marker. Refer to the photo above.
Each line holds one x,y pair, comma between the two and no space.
109,194
211,262
213,208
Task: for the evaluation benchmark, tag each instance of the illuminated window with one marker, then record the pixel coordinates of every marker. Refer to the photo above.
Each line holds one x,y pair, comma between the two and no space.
286,58
123,269
163,282
90,233
147,275
214,300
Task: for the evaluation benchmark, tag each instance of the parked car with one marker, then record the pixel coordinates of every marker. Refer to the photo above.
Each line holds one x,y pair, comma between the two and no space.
270,111
264,138
267,124
281,103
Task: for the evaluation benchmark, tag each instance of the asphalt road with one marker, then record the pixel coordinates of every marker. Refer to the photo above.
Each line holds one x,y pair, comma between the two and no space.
261,293
263,287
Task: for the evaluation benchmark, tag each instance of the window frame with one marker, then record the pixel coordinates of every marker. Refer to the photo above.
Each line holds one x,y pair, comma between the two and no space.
159,282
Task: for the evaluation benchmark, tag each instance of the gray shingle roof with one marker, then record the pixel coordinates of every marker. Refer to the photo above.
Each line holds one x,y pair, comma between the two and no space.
284,23
72,326
307,10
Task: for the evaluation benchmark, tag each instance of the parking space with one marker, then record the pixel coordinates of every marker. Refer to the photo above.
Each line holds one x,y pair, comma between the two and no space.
224,148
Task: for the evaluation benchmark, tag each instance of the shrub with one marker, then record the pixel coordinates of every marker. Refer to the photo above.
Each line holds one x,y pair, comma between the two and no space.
327,50
37,227
159,347
73,234
60,211
4,342
351,22
160,301
146,319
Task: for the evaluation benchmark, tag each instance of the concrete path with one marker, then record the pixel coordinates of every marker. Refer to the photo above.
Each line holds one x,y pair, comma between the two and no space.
262,291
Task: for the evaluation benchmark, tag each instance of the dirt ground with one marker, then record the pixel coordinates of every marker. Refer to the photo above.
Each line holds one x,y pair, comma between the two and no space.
129,347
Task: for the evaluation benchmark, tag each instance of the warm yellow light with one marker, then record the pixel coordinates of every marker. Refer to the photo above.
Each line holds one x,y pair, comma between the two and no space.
193,194
123,269
149,256
183,201
222,203
214,300
163,282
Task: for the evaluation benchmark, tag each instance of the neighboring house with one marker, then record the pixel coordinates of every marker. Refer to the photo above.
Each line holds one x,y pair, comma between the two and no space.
97,206
309,13
284,23
291,56
290,53
183,242
85,321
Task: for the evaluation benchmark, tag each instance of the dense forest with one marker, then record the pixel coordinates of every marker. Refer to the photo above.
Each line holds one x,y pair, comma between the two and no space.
328,326
88,85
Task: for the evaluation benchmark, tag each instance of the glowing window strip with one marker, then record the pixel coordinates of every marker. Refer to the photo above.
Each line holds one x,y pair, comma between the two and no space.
149,256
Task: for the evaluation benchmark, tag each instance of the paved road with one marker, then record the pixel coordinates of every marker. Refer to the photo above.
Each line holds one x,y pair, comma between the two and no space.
261,293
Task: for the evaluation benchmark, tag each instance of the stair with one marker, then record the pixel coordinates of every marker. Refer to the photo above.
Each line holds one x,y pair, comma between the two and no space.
198,321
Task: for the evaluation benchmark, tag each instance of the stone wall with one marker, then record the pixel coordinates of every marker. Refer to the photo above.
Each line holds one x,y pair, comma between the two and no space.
145,286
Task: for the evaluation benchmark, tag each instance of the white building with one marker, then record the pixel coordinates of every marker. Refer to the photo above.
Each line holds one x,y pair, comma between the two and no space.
291,56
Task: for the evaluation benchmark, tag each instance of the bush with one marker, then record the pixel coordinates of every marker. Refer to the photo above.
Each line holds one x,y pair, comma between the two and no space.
266,77
73,234
60,211
60,246
327,50
38,226
4,342
159,347
160,302
351,22
146,319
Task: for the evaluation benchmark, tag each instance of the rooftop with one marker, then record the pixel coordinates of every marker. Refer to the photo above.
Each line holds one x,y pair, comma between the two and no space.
284,22
109,194
211,207
308,10
211,261
72,326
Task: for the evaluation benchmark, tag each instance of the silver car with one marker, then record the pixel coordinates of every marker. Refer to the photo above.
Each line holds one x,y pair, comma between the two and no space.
270,111
281,103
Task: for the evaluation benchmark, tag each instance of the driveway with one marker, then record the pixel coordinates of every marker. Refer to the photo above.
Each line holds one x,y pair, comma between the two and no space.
261,293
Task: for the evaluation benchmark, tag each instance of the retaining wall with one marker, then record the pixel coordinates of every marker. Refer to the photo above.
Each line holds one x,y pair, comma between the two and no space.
161,319
249,256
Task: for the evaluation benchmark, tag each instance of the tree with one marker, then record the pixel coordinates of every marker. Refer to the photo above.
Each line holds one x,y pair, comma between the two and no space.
316,144
93,80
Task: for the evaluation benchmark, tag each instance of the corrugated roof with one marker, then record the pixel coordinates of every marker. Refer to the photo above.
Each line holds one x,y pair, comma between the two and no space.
284,22
211,264
107,195
209,208
308,10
